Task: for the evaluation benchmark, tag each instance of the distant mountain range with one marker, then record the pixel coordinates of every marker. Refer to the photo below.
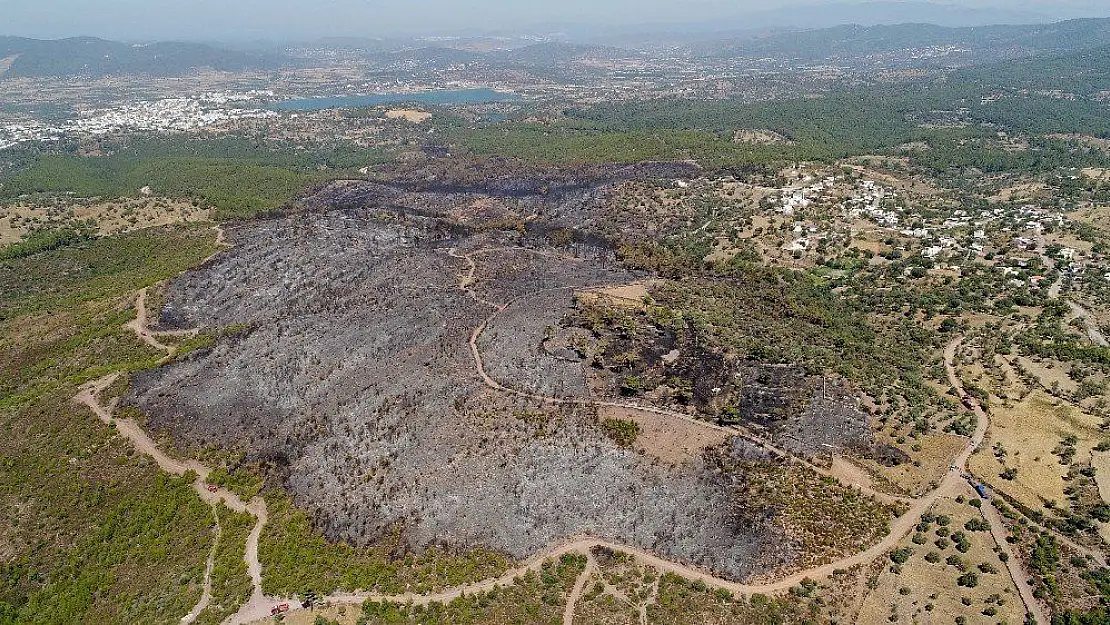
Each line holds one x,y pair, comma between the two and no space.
925,45
843,45
91,57
814,14
983,43
879,12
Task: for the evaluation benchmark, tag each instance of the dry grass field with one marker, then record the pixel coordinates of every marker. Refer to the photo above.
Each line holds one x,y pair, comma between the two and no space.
114,217
1023,437
924,589
629,295
670,440
411,115
936,453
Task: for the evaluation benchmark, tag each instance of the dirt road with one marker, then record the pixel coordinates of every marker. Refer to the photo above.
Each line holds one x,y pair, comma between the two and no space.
89,395
138,325
578,589
258,608
466,283
1093,331
206,593
998,527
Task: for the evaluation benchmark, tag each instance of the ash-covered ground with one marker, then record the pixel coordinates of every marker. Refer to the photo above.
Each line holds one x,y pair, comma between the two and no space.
354,382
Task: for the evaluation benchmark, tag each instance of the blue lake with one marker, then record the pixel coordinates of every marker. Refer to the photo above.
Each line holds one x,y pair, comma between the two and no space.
463,96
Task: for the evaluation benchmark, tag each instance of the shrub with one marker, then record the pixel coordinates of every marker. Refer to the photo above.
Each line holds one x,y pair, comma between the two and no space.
622,431
977,525
901,556
968,580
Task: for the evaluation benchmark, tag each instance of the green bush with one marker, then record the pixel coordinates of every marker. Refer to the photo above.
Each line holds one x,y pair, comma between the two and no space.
622,431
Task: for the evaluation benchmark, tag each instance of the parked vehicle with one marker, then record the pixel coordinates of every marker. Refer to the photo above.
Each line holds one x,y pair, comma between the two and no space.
278,609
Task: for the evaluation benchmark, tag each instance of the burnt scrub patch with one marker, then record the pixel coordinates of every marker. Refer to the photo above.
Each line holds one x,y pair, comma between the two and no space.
665,355
357,389
820,519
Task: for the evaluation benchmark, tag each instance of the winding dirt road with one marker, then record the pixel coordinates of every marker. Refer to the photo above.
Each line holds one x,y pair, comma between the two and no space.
206,593
89,395
258,607
994,519
466,283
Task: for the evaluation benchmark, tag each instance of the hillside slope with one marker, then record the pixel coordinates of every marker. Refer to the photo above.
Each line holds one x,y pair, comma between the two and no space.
91,57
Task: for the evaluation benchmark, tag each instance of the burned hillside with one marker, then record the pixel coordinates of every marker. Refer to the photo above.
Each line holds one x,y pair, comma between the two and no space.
641,351
354,382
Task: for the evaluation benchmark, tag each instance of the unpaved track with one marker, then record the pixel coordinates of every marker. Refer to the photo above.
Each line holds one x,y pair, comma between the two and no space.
994,519
579,588
206,594
1093,332
89,395
138,325
258,608
466,283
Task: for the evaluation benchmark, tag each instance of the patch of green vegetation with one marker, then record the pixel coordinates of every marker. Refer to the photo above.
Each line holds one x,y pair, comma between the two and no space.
236,189
824,518
572,144
685,602
94,532
622,431
297,558
100,268
231,582
842,124
779,316
244,484
188,344
532,599
43,240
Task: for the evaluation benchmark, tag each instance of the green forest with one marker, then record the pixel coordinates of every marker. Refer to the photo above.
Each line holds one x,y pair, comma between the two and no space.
127,542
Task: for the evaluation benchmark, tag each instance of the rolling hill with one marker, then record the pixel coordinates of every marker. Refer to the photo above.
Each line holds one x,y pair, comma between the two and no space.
92,57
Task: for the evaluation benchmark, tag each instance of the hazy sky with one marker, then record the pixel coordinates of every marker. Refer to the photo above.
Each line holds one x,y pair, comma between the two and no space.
139,20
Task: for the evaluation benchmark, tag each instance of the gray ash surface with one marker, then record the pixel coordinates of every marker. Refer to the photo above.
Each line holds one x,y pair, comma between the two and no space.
353,381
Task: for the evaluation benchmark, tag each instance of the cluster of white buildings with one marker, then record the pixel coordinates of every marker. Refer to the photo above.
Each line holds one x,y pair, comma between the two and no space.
869,201
169,115
178,114
794,198
13,134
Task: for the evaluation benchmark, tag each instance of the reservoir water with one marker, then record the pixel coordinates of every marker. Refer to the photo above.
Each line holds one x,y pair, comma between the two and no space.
461,96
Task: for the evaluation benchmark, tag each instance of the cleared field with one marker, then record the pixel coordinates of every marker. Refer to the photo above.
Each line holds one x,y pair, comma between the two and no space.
1048,376
923,592
1028,432
624,295
18,220
6,62
848,472
671,440
410,115
760,137
937,452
